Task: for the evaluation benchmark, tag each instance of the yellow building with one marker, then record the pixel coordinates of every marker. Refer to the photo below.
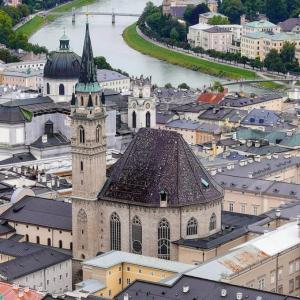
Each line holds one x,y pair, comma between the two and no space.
259,44
108,274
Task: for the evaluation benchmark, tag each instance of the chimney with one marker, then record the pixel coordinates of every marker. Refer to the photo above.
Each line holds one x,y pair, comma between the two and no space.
250,174
126,296
250,160
249,143
289,132
269,156
58,182
52,181
257,158
257,144
213,172
275,155
39,177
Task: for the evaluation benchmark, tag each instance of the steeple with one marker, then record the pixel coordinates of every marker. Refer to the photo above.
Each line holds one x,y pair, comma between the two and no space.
64,43
88,69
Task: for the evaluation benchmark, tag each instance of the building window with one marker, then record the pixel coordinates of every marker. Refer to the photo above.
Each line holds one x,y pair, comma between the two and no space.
164,239
213,222
291,267
148,119
81,166
81,101
243,208
49,242
98,133
230,206
81,135
60,244
272,277
115,232
37,239
71,246
261,283
61,89
291,285
297,283
280,273
128,280
192,227
133,119
255,208
48,88
137,235
26,238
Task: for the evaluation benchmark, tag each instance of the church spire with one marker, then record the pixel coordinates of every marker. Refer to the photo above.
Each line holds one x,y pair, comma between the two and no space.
88,68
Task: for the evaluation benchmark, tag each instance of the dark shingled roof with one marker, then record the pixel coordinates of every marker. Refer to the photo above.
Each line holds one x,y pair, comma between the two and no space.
42,212
159,160
289,24
54,140
198,288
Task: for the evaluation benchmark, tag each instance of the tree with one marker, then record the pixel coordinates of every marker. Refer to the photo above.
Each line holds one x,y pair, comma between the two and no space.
256,63
292,7
273,61
193,17
295,13
168,85
183,86
101,63
188,12
276,10
253,7
5,27
218,20
24,10
174,35
287,54
218,87
233,9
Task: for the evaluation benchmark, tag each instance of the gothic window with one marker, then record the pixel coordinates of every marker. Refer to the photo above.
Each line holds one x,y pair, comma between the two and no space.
48,88
213,222
134,120
164,239
148,119
192,227
136,235
98,133
61,89
49,242
81,101
96,100
115,232
81,166
81,135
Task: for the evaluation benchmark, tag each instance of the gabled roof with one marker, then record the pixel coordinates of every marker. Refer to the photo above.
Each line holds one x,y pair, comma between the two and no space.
41,212
156,160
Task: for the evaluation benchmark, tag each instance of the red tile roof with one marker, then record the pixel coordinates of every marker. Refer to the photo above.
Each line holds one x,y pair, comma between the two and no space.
211,98
13,292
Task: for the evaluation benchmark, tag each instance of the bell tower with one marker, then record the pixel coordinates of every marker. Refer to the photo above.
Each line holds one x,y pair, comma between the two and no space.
88,144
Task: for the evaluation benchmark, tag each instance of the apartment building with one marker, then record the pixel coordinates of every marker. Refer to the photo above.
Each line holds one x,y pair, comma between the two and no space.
113,80
260,26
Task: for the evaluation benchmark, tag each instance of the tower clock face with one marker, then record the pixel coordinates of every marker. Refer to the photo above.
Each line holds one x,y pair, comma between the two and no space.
148,105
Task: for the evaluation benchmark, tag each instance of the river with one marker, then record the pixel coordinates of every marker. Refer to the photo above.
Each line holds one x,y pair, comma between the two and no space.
107,41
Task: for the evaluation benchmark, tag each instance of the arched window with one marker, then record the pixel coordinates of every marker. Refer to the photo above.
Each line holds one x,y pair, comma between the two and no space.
213,222
82,217
81,101
164,239
48,88
61,89
98,133
137,235
96,100
49,242
81,135
81,166
71,246
115,232
26,238
192,227
148,119
133,119
60,244
37,239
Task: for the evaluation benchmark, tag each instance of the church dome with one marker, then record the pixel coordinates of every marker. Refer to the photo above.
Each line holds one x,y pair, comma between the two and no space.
63,64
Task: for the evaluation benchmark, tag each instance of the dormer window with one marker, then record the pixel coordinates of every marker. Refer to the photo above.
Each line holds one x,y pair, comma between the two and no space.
204,183
163,197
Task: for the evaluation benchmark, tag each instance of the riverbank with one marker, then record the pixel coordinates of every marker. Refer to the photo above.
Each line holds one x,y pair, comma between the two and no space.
135,41
38,21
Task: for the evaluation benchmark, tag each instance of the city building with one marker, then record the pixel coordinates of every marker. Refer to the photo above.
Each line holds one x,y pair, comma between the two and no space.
190,287
272,262
61,72
30,79
141,105
35,267
27,64
290,25
113,80
41,221
205,17
258,44
260,26
13,292
109,273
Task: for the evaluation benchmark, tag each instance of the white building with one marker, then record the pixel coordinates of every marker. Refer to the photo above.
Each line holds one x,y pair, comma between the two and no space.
113,80
141,105
260,26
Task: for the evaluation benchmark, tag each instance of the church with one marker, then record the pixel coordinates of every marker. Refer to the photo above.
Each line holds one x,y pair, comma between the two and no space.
158,191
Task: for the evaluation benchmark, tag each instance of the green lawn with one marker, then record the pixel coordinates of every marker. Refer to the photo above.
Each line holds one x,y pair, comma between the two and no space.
32,26
138,43
68,6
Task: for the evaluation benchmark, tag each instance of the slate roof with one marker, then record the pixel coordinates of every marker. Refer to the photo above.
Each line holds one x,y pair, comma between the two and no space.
222,114
197,288
217,29
54,140
41,212
192,107
16,158
164,118
104,75
261,117
183,124
34,262
289,24
160,160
